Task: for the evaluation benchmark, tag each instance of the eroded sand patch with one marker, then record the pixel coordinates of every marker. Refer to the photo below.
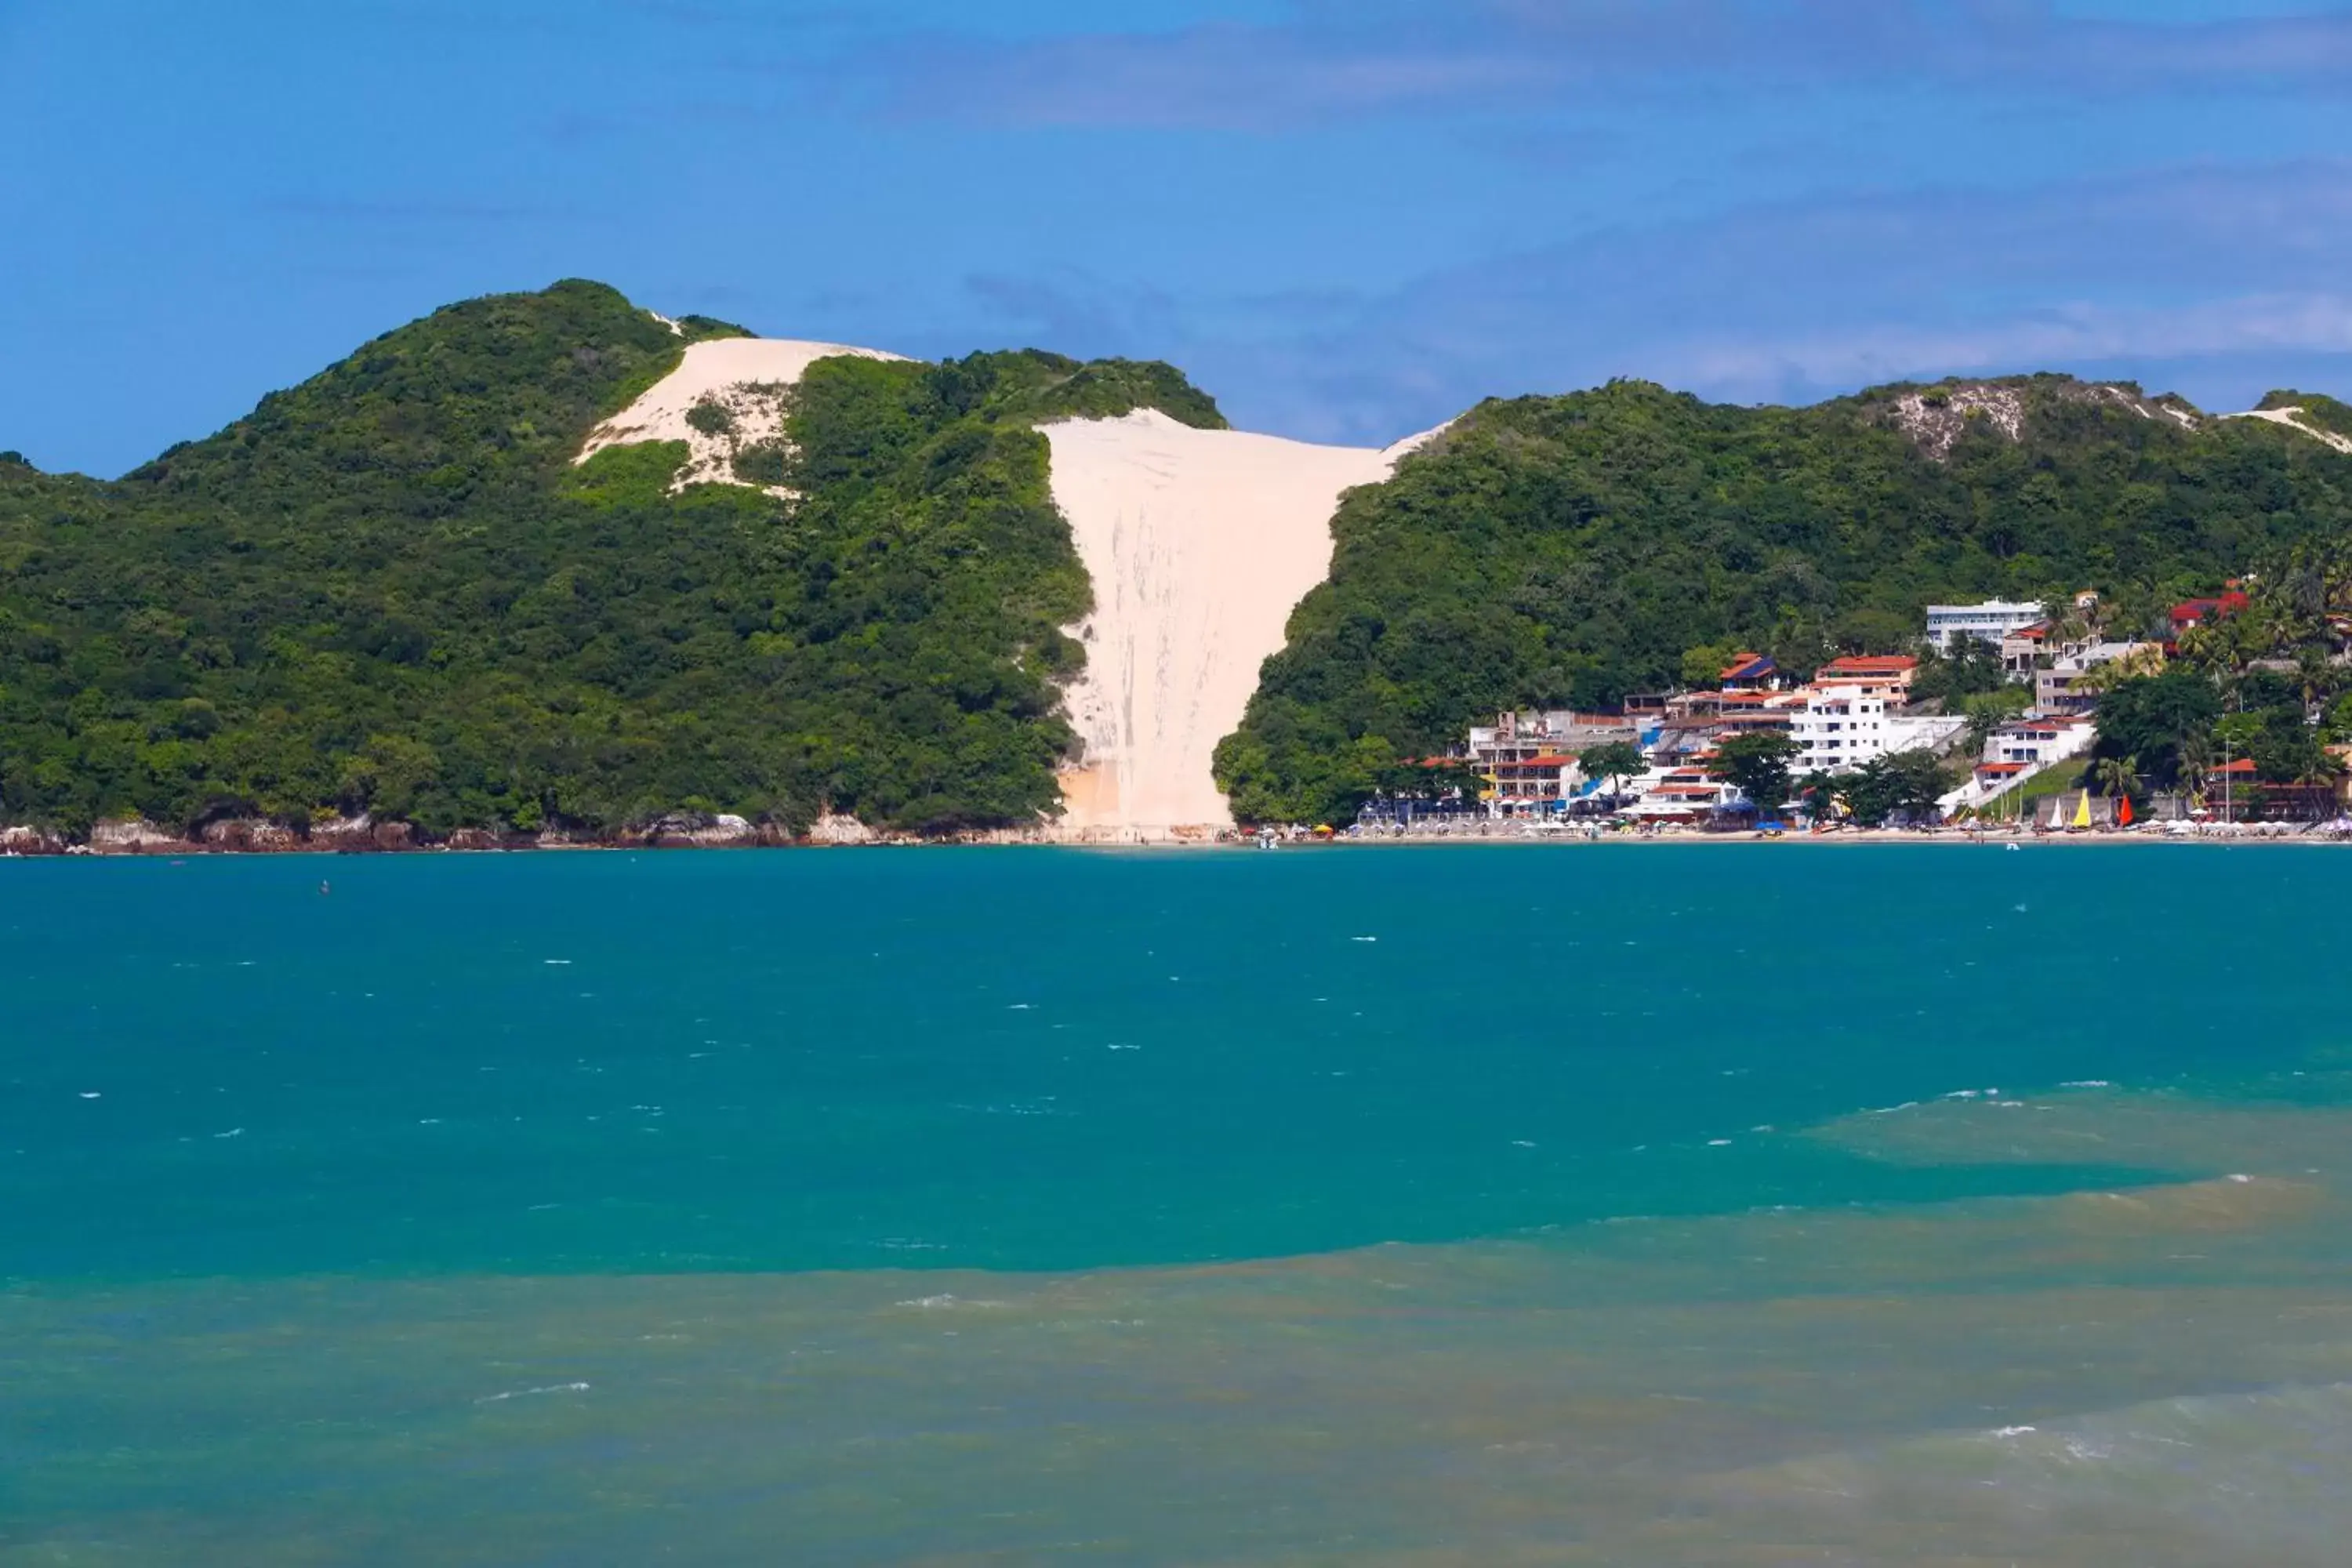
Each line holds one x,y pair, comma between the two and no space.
748,379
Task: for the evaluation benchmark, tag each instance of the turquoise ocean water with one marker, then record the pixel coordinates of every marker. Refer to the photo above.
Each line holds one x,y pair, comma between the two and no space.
1565,1204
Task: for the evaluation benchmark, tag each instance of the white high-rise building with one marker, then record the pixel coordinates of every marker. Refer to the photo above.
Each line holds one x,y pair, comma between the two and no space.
1986,622
1844,727
1839,730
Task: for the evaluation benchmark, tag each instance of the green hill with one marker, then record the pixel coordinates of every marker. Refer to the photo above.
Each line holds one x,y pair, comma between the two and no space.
1568,551
389,590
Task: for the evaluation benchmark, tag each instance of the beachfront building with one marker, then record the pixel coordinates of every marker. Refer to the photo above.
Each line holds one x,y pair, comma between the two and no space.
2059,690
1993,778
1751,672
1696,722
1688,793
1537,785
1528,760
1845,728
1515,737
1987,624
2038,743
1840,728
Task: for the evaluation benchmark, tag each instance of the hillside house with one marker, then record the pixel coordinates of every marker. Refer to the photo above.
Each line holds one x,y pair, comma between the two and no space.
1845,728
2037,743
2055,688
1880,676
2190,614
1987,624
2021,649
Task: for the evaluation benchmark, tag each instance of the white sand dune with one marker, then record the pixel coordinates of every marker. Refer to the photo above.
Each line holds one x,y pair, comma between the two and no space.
746,376
1200,544
2292,418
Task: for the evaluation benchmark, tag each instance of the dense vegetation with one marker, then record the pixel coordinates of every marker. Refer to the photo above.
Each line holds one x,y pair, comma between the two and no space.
1565,551
2271,688
389,590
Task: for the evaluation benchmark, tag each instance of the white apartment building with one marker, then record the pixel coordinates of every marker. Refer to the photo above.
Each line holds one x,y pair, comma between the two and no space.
2037,743
1844,727
1986,622
1839,729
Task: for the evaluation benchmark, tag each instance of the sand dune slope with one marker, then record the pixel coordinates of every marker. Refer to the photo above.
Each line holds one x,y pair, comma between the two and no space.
1200,543
746,376
2294,420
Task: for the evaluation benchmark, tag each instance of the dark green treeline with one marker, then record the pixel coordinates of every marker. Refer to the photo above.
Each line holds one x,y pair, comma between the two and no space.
390,590
1566,551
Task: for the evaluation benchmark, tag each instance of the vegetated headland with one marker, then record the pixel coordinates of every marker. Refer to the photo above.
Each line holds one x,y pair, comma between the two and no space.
552,570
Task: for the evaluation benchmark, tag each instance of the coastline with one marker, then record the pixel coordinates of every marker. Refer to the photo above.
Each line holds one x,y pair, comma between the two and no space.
20,844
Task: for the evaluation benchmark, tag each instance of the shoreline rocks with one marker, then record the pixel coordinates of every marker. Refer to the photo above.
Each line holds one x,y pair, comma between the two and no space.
833,828
367,834
29,841
362,835
136,836
245,835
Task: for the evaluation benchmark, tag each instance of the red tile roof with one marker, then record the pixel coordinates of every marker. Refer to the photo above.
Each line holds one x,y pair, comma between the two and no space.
2190,612
1874,664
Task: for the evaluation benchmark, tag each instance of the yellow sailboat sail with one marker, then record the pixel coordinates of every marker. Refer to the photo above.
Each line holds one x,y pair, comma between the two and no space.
2083,809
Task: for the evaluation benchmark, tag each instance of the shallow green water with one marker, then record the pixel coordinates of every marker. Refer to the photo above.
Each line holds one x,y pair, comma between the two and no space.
1581,1205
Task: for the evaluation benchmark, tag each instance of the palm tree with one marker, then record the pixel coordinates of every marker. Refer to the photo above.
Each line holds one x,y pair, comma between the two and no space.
2322,766
1982,722
2073,630
2116,776
2200,647
2196,757
1818,789
2336,576
2315,677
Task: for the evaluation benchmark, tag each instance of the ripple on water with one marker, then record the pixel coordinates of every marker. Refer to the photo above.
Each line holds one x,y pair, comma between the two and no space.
2160,1376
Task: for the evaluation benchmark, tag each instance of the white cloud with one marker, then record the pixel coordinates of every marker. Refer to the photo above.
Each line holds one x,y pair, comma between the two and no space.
1863,353
1333,59
2205,279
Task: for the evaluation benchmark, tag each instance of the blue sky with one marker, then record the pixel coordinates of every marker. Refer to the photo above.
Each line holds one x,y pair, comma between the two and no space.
1348,219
